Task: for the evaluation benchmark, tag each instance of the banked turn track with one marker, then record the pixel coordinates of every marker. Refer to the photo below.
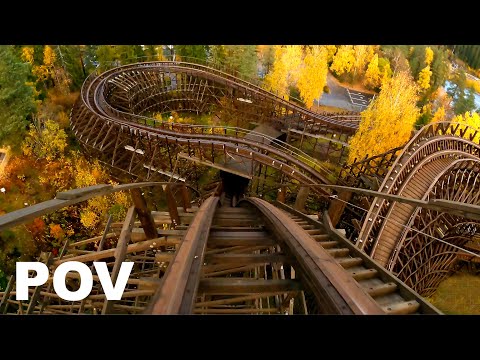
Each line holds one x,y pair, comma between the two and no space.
440,162
110,119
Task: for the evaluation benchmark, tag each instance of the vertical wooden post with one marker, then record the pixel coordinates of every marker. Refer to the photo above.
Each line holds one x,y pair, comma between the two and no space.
120,252
172,205
281,194
6,295
185,198
144,215
337,207
301,198
36,293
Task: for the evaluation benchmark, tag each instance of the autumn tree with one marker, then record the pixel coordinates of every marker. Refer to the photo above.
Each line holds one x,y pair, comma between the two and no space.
425,74
472,120
17,101
70,58
285,69
428,55
372,75
363,55
389,119
108,55
439,115
242,59
96,209
313,74
424,78
187,52
46,142
331,50
154,53
344,60
266,55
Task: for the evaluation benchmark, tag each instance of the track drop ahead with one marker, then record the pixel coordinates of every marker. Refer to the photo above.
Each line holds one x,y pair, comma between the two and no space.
260,259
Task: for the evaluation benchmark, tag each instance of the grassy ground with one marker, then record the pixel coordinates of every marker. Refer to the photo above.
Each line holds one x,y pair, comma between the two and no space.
458,295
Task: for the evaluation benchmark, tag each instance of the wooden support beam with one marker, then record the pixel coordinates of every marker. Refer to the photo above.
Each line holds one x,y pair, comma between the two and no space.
236,299
238,311
89,241
121,251
132,248
29,213
172,205
337,207
301,198
281,194
144,215
246,258
6,295
469,211
36,293
229,286
185,198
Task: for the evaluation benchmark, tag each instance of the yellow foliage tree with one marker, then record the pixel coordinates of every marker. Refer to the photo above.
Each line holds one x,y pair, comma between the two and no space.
96,209
363,55
439,115
428,56
389,119
313,74
472,119
276,79
424,78
45,71
344,60
27,54
372,76
47,143
331,50
285,69
56,231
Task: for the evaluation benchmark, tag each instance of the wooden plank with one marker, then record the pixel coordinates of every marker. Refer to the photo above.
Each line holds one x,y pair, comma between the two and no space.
235,299
77,193
185,198
231,241
246,258
88,241
231,286
183,273
36,293
238,311
121,252
144,215
337,207
172,205
132,248
29,213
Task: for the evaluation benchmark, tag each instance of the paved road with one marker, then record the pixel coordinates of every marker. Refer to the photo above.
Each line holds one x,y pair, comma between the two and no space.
343,98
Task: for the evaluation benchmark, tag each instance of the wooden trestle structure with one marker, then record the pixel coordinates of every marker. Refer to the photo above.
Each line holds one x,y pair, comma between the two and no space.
257,255
255,258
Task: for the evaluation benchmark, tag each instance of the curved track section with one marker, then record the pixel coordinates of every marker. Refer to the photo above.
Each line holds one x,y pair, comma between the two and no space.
113,122
439,162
